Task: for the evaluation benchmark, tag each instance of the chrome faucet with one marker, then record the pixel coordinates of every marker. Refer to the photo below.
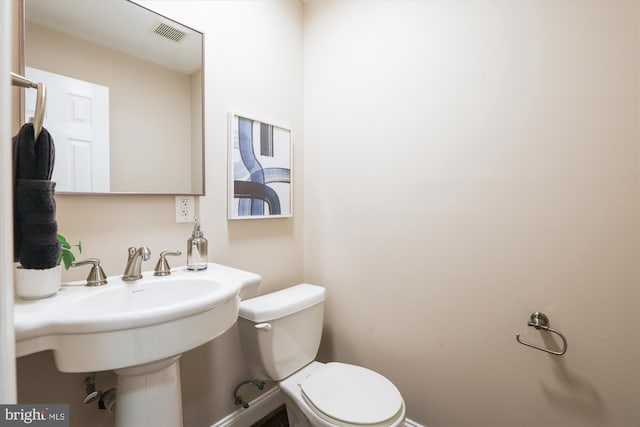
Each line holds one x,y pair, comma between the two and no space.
134,263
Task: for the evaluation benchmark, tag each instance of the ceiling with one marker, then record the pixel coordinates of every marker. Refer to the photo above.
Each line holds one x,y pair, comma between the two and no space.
122,26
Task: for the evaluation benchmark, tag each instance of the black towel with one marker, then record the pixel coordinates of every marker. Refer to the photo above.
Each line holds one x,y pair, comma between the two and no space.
33,159
35,230
38,246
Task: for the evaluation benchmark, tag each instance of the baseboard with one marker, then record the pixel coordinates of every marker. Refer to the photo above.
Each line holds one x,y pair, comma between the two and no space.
258,408
262,406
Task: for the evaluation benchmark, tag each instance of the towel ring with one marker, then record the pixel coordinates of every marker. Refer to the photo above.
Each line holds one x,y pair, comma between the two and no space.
540,321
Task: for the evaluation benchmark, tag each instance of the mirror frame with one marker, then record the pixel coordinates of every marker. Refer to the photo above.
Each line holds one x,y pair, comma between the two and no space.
20,119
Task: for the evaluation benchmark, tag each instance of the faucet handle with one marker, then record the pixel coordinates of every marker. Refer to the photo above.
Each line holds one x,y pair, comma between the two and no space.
96,274
162,267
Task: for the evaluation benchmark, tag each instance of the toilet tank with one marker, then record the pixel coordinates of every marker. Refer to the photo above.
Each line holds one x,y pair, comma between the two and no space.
280,332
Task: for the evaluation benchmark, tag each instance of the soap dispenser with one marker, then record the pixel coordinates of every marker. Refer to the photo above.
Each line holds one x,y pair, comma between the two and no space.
197,249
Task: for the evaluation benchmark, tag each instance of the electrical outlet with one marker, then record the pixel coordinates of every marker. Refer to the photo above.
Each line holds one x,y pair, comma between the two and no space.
185,209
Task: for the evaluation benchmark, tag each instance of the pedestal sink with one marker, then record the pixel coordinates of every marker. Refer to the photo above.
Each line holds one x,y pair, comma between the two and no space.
138,329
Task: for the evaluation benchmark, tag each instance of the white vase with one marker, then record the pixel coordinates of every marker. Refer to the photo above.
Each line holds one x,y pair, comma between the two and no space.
34,284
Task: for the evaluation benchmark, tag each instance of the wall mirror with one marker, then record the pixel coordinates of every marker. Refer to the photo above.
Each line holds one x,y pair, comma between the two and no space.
124,96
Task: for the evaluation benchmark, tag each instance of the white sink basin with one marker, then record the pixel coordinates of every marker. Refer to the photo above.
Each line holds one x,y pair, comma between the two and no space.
125,324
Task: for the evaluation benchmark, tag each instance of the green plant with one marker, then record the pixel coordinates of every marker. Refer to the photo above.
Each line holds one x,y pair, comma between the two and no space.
66,256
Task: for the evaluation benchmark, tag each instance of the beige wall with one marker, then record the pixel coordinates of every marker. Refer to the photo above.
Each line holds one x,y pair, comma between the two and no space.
254,66
148,132
468,163
16,61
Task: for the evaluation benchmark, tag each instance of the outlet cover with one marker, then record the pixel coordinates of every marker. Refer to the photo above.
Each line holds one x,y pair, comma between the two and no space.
185,208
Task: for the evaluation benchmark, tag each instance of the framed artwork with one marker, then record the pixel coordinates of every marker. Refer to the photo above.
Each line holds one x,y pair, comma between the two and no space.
259,169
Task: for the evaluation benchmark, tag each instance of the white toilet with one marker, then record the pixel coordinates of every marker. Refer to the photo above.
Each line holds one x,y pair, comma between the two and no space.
280,334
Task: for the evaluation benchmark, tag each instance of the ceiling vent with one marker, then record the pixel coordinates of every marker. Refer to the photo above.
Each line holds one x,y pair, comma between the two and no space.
169,32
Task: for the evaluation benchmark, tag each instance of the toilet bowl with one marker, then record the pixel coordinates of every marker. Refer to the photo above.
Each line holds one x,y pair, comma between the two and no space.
280,335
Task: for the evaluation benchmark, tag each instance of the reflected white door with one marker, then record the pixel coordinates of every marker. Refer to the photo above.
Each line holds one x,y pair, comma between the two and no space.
77,117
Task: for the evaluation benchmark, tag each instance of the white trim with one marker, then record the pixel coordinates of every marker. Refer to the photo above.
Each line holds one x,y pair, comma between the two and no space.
409,423
262,406
258,408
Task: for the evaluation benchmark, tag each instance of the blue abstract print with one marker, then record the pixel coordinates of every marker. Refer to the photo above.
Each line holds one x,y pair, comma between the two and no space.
261,169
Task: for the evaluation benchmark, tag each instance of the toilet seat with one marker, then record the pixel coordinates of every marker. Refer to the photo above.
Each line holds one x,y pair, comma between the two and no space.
347,395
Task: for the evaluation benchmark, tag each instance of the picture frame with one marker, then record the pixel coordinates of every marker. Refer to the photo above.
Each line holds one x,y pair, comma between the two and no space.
260,165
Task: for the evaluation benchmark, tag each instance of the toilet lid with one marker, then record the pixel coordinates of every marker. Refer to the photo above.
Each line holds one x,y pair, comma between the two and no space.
352,394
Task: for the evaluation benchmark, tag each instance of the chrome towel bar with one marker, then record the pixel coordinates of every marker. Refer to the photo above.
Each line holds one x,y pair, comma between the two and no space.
540,321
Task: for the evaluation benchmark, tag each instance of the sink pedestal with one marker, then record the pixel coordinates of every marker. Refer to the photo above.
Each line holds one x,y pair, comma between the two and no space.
149,395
